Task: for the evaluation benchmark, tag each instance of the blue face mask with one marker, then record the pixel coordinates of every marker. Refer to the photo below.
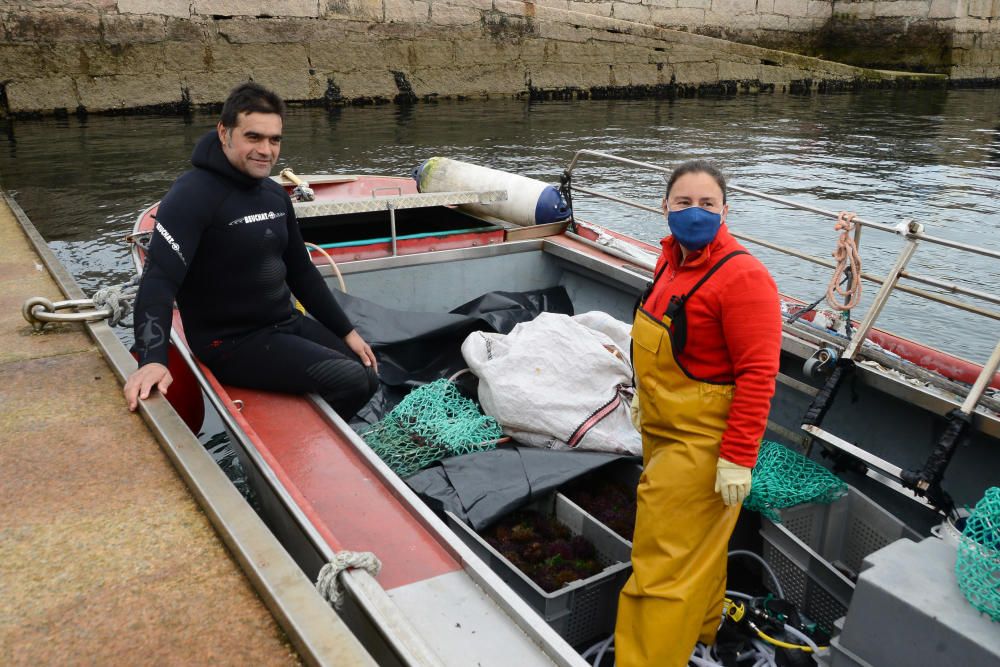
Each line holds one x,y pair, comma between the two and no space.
694,227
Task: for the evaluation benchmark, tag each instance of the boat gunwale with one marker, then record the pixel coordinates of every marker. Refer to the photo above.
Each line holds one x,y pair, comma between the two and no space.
367,593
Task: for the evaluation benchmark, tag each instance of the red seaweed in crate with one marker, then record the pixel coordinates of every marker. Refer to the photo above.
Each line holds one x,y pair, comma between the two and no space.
543,549
610,503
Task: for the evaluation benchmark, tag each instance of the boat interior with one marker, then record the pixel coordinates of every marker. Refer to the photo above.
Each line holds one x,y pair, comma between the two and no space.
417,256
879,412
883,414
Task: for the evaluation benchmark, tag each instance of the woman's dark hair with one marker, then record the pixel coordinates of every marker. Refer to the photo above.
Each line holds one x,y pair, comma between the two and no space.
250,97
698,167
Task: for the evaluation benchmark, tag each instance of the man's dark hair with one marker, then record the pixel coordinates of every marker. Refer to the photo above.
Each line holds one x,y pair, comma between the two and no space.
250,97
698,167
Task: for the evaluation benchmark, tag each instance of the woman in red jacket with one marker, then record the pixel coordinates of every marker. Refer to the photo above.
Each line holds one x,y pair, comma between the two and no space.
706,343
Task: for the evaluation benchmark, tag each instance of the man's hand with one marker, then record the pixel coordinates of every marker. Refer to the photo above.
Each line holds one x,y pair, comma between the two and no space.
142,381
362,349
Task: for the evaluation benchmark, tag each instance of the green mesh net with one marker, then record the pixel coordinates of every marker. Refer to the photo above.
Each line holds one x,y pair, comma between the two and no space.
433,422
784,478
978,565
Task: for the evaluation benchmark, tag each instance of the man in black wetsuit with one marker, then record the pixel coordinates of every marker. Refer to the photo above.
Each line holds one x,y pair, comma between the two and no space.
227,247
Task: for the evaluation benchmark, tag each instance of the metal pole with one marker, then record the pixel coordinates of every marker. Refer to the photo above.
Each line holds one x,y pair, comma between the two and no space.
615,158
392,226
986,252
876,467
882,297
627,202
794,204
950,287
983,381
879,280
941,284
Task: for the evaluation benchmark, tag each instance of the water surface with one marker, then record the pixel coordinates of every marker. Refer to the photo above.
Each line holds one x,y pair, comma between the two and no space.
928,155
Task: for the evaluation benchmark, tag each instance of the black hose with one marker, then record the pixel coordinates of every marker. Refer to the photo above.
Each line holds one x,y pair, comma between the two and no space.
927,480
824,399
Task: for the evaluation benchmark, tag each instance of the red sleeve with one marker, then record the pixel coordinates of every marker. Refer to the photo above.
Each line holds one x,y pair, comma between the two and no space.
751,326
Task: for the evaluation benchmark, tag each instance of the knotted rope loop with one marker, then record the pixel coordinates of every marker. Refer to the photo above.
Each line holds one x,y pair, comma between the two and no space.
328,581
118,298
848,264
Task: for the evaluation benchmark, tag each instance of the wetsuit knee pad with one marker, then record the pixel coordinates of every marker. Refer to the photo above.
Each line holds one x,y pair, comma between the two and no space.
339,376
345,384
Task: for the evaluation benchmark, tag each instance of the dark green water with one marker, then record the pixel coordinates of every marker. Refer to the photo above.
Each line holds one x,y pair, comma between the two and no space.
930,155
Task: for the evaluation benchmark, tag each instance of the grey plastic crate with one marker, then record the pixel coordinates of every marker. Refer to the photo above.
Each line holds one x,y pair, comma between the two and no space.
817,550
908,591
626,474
583,610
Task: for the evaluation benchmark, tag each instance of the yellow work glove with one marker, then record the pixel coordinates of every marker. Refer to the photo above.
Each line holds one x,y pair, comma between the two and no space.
636,414
732,482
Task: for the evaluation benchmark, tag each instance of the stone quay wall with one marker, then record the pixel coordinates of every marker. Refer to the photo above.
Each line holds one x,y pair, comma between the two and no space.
61,56
960,38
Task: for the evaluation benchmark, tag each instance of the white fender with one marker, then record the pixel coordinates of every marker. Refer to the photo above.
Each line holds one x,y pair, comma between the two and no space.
529,202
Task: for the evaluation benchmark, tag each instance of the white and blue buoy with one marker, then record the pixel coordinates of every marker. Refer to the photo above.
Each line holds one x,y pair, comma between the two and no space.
529,202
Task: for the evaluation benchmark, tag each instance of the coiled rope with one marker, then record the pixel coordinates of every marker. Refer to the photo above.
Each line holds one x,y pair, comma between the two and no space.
848,264
328,581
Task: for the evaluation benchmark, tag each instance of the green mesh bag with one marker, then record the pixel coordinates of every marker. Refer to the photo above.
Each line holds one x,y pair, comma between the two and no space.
977,567
433,422
784,478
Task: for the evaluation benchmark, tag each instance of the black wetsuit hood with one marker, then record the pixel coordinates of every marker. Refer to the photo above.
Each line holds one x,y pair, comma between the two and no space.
208,155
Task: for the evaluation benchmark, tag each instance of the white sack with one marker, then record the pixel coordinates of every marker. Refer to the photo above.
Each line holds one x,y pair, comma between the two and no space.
557,376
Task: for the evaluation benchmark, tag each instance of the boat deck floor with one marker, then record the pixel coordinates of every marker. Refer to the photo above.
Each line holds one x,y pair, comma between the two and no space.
105,557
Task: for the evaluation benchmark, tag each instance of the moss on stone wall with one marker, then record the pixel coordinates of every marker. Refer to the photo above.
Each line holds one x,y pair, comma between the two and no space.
894,43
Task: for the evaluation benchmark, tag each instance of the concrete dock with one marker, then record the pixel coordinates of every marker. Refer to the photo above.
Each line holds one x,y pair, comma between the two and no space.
106,557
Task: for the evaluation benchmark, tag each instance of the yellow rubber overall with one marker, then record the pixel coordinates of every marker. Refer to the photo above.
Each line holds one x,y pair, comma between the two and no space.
674,597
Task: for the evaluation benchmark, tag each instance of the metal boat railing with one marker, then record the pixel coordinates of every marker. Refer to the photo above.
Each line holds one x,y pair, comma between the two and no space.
904,229
908,229
925,483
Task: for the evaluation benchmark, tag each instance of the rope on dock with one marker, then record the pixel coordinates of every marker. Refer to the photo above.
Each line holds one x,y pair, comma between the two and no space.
328,581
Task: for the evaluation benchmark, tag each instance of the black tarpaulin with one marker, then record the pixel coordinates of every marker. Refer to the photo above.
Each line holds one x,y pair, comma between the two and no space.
480,488
414,348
